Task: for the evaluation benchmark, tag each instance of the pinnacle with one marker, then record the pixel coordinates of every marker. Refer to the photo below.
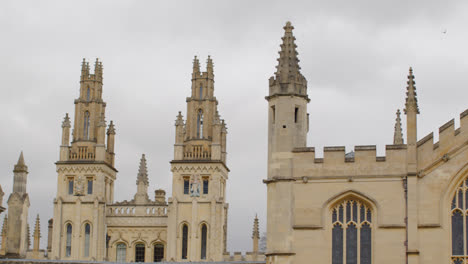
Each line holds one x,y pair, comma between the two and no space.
111,129
398,136
142,171
180,119
66,121
196,65
288,62
411,99
21,160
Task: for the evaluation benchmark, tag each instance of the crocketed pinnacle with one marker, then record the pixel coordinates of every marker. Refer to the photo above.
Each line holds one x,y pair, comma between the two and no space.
142,171
4,227
66,121
288,62
111,129
180,119
29,237
209,65
255,233
37,227
398,135
411,99
21,165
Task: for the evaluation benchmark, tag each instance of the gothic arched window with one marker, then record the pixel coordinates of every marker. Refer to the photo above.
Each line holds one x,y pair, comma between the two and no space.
158,252
140,253
351,233
87,239
184,241
204,231
69,240
459,221
121,252
86,125
88,94
200,124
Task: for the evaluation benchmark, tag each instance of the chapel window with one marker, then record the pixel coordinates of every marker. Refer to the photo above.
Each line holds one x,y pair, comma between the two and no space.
140,253
184,241
459,221
351,232
204,231
87,239
69,240
121,252
200,124
158,252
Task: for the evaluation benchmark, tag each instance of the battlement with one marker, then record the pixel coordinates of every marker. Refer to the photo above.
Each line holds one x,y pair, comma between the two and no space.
248,256
85,71
450,139
335,162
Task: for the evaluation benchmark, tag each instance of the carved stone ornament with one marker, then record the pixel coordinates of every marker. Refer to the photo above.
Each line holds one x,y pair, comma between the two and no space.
195,185
79,186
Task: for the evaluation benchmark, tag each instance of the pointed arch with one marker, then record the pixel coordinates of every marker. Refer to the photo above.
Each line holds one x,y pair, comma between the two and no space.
350,195
68,238
86,228
184,242
203,240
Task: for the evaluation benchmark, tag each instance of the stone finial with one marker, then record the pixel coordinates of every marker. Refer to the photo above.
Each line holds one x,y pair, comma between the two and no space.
37,234
111,129
288,62
21,165
28,233
180,119
398,135
196,65
84,69
256,232
142,171
66,121
411,99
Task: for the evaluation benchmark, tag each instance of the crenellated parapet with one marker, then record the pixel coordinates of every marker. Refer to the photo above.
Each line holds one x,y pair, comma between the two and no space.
451,141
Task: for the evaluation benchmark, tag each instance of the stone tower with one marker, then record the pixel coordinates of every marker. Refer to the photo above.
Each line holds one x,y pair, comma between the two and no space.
86,175
18,206
287,129
198,209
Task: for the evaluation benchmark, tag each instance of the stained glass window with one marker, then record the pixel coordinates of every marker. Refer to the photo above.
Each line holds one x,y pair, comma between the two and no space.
351,233
459,221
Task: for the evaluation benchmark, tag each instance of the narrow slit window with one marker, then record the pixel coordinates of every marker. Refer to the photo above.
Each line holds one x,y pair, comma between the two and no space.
68,243
186,186
200,124
88,94
87,240
273,114
90,186
70,186
200,92
86,125
296,112
184,241
204,231
205,186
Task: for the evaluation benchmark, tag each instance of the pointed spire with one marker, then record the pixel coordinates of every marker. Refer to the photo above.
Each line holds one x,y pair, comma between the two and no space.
142,171
111,129
398,135
180,119
98,69
209,65
66,121
256,232
21,165
288,63
411,99
84,69
37,227
196,65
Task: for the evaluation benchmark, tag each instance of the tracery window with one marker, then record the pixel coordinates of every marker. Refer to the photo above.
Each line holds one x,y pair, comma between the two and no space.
121,252
158,252
87,239
352,225
140,253
184,241
204,231
68,242
200,124
86,125
459,219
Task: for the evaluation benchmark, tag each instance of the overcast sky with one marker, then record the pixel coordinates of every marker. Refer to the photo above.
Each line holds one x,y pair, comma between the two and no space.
354,54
